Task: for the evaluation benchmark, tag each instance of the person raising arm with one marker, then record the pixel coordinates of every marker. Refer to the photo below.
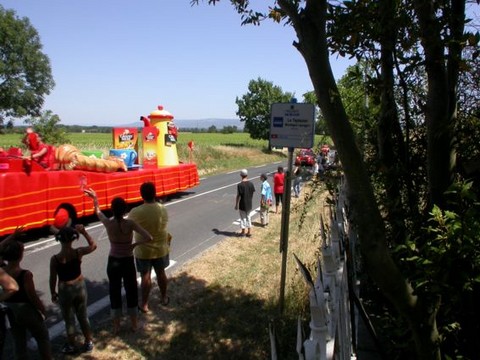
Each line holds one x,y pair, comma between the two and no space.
72,291
121,262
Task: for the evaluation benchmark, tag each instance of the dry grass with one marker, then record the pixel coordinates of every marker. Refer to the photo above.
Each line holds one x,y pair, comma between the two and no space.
223,300
218,158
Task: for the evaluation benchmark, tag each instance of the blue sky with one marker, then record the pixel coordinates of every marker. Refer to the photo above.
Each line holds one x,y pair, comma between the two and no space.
115,60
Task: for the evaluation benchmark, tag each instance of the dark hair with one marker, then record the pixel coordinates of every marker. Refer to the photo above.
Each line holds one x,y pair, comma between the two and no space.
12,251
280,169
119,207
148,191
66,235
263,176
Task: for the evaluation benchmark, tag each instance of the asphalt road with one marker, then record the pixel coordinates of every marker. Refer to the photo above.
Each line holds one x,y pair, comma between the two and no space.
198,219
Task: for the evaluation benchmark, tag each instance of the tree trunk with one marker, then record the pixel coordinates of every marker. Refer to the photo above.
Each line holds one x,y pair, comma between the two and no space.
310,26
441,102
390,141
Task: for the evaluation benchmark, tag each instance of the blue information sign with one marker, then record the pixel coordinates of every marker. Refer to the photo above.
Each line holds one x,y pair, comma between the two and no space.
292,125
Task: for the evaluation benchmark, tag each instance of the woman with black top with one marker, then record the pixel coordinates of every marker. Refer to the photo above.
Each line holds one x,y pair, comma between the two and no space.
27,308
72,292
121,263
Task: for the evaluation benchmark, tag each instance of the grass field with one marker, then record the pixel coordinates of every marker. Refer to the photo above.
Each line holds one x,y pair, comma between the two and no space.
212,152
101,140
95,141
224,300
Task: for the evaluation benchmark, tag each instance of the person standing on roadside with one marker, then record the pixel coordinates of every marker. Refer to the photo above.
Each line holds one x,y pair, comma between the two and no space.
278,185
27,308
121,263
297,173
243,203
265,200
153,217
316,169
8,286
72,291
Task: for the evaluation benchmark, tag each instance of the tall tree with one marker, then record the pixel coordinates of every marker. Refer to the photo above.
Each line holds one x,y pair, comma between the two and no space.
468,128
431,37
47,125
254,107
320,126
25,73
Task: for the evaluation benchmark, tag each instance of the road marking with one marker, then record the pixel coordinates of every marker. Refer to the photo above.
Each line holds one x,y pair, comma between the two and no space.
45,244
59,328
252,214
204,193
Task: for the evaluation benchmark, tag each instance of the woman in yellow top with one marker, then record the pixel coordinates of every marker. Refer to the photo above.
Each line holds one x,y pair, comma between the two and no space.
153,217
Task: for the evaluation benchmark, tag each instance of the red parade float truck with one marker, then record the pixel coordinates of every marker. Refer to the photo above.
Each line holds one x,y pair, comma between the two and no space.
31,195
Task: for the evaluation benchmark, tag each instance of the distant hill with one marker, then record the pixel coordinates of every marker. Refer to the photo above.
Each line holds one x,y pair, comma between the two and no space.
206,123
198,123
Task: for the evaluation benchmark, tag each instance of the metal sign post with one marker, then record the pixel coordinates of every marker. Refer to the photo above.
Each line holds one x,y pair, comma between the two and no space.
292,125
285,227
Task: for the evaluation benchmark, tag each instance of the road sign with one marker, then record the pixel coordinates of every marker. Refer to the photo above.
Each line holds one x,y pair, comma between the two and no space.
292,125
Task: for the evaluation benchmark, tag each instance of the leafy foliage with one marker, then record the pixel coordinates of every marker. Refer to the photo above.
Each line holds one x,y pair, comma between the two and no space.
47,125
320,125
412,58
357,94
468,127
254,107
444,262
25,73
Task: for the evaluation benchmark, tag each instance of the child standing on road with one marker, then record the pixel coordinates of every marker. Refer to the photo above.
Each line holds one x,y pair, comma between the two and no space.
265,200
72,292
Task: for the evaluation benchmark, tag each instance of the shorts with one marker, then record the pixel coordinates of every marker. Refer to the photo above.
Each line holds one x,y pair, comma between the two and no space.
278,198
158,264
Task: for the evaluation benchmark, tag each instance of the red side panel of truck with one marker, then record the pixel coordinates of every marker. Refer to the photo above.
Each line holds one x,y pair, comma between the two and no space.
30,195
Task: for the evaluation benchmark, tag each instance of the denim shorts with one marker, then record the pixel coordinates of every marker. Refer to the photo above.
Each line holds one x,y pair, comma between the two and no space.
158,264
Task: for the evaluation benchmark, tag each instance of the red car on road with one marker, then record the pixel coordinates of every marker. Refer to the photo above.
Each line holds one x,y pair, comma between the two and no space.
305,157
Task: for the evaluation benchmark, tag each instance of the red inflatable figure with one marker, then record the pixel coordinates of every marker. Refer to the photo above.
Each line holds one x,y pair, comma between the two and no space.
40,152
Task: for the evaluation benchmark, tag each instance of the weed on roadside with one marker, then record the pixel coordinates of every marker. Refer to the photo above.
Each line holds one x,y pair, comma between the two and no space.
223,301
